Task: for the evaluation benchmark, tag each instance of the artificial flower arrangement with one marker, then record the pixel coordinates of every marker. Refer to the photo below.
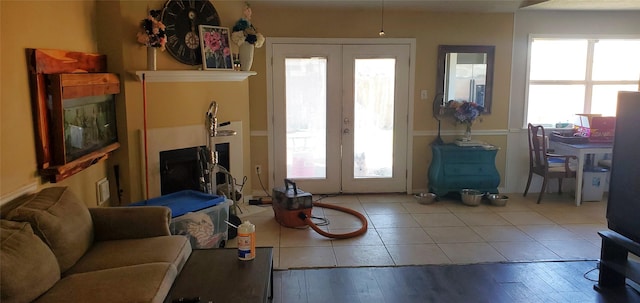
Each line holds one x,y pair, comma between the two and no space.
466,112
152,32
245,32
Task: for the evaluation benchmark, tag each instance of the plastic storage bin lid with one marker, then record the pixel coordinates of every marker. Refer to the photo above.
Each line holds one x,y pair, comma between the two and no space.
184,201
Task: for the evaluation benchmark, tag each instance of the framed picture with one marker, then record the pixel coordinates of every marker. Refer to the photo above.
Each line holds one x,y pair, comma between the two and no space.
214,42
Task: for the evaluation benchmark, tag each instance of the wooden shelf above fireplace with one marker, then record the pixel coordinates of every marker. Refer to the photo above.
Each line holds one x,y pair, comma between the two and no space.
192,75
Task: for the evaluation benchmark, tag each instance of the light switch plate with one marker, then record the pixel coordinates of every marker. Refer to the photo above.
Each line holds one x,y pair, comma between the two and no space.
102,190
423,94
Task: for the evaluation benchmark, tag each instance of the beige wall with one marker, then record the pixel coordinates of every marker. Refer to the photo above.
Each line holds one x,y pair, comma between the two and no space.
168,104
67,25
74,25
428,28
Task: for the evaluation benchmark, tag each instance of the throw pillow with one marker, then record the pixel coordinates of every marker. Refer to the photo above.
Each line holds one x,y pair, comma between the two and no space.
60,220
28,267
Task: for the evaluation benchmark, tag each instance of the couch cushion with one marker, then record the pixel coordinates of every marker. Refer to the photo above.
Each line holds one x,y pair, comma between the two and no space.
118,253
139,283
60,220
10,205
28,267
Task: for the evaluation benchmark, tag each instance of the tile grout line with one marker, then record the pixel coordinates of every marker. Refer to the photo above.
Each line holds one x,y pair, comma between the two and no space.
458,215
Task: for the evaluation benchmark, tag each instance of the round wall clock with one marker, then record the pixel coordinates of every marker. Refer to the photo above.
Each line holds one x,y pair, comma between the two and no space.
181,19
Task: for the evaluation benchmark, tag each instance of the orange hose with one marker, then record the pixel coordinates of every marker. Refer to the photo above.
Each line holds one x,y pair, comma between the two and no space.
356,233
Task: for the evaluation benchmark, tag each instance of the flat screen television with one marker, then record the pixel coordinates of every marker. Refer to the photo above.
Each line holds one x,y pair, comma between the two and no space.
623,208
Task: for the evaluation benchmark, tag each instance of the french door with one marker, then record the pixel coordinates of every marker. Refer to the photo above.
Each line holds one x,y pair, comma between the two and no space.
340,116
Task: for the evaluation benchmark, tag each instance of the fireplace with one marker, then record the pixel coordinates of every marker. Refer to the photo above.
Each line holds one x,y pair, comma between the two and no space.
179,145
181,169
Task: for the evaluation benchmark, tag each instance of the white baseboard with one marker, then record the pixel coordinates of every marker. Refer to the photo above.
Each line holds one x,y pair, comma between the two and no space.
27,189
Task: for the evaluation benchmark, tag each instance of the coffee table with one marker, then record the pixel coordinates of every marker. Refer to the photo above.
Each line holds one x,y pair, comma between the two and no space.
216,275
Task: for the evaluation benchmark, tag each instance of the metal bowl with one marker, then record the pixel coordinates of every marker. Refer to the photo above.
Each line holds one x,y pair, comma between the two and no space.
471,197
497,199
426,198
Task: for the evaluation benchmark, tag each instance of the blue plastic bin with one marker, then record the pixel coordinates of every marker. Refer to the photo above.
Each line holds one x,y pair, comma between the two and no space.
196,215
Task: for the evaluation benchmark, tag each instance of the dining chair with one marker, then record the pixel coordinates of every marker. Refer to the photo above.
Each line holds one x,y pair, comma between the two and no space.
545,164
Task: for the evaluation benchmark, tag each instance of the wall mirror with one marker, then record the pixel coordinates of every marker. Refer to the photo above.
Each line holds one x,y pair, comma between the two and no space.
465,73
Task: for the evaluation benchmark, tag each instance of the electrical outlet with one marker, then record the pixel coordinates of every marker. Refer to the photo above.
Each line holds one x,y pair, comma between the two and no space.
102,191
258,169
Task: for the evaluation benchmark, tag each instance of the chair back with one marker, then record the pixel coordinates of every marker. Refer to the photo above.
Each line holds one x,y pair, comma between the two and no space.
537,146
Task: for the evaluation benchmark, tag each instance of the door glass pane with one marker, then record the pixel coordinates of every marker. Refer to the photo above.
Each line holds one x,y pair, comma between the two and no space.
306,104
551,104
558,59
604,98
616,60
374,83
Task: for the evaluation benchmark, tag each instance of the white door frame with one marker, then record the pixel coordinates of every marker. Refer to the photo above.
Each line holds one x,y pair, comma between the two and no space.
345,41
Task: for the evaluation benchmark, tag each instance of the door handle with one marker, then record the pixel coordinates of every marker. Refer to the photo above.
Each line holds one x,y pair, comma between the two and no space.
346,131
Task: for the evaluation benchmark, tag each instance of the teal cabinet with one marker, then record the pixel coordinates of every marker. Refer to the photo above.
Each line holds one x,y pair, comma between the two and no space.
455,167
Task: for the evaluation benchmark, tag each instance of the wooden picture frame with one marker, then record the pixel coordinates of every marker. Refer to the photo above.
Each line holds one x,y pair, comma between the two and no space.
214,42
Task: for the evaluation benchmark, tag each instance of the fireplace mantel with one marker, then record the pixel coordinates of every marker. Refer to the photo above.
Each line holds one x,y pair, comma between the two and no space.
191,75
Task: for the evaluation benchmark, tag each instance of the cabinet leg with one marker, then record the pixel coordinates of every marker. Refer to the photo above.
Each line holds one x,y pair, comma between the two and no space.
611,253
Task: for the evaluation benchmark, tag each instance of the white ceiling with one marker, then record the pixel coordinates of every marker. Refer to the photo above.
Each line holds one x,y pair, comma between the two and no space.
467,5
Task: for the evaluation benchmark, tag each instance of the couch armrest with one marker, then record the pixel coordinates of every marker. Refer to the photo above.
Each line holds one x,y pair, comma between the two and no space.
117,223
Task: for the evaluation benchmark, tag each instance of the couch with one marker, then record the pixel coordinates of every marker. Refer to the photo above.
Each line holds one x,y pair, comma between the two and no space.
56,249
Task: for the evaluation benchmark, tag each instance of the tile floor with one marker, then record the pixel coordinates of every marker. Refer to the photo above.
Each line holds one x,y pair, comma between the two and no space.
404,232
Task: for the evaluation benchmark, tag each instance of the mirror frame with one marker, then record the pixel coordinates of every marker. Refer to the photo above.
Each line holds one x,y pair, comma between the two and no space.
489,50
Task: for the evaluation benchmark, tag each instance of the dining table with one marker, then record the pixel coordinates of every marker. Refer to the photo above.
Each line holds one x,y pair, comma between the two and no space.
582,151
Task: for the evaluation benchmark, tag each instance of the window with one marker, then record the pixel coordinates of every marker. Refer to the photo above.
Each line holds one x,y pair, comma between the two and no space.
568,76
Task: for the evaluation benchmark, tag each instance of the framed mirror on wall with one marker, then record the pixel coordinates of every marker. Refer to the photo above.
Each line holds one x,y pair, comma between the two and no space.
465,73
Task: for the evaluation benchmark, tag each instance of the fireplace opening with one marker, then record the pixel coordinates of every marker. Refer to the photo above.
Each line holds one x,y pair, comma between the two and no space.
180,169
